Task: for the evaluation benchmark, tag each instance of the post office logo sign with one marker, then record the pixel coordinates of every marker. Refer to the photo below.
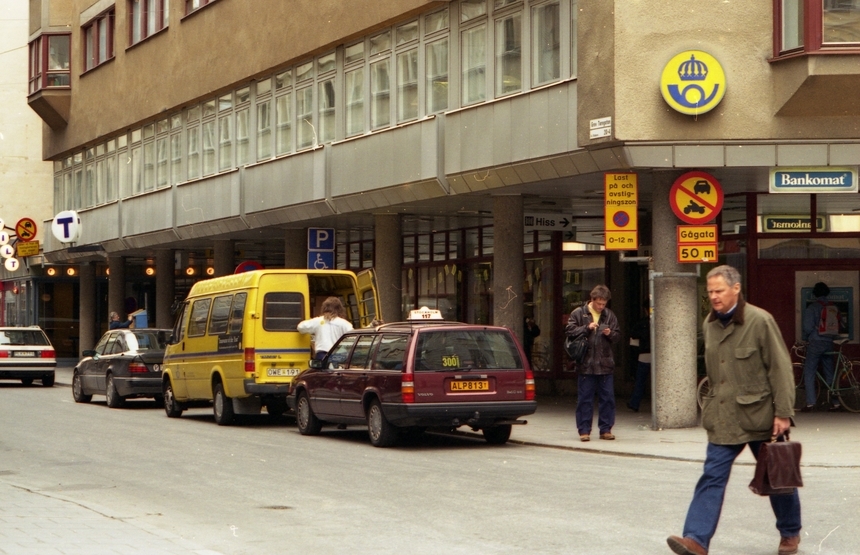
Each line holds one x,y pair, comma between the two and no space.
693,82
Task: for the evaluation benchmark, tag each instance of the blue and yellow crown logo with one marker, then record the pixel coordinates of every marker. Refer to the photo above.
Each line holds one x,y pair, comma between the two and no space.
693,70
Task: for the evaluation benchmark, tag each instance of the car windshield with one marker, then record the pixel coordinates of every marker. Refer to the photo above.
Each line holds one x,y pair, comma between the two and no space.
23,337
147,340
466,349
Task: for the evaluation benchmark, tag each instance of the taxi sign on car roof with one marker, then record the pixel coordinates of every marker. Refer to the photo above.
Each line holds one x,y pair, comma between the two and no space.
425,313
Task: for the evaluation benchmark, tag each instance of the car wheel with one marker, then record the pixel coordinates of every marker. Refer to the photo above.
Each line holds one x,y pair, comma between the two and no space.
497,435
48,381
78,390
112,397
382,433
171,406
306,420
222,406
27,381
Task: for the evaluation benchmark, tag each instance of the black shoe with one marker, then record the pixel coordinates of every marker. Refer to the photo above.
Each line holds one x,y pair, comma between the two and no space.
835,408
631,407
808,408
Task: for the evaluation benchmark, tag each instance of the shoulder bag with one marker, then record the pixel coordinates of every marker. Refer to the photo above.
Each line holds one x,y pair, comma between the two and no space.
577,348
777,470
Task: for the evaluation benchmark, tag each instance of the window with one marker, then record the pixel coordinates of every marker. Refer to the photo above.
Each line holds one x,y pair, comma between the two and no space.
354,84
49,62
283,113
146,17
220,314
407,85
816,25
282,311
305,132
380,102
546,43
509,55
436,62
264,119
199,314
194,5
192,124
98,40
237,313
474,62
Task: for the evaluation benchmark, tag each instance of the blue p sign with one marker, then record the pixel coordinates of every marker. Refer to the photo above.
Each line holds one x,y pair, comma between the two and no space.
320,239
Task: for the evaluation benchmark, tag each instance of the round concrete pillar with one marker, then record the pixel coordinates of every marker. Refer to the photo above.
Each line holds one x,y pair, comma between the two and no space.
116,287
388,264
224,262
508,263
165,263
296,248
675,313
88,326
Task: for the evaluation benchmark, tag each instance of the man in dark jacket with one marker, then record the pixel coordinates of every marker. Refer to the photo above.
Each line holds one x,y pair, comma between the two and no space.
597,371
751,400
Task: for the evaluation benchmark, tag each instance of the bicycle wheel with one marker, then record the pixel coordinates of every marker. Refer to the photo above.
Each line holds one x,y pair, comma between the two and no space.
702,391
849,391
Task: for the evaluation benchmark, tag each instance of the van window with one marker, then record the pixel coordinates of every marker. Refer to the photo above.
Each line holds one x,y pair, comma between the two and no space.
237,314
361,353
220,314
199,314
179,326
282,311
392,350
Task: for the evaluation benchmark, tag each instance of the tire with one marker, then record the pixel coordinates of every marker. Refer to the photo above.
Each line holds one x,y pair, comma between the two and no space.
48,381
222,406
112,396
306,420
702,391
27,381
849,392
497,435
78,390
380,430
171,407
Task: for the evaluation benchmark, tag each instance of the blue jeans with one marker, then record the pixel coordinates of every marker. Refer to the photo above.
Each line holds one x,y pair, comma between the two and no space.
643,372
704,512
587,386
815,352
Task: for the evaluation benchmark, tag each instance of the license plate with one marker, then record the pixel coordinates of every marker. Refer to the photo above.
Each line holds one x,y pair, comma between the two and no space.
470,385
29,354
280,372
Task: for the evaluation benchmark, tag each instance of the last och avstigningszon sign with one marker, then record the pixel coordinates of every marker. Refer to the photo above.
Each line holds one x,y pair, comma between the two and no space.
813,180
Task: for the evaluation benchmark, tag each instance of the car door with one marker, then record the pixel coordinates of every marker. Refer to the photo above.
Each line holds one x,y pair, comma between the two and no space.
89,369
324,389
115,346
352,379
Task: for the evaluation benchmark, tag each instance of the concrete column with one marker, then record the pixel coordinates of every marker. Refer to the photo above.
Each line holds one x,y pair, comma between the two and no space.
225,262
165,283
388,264
116,287
675,314
296,248
88,325
508,263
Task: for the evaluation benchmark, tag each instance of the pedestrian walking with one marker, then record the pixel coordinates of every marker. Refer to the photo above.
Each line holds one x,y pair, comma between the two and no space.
750,401
327,328
597,371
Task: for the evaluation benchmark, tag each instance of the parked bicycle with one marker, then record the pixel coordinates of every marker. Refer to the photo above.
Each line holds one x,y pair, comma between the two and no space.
845,385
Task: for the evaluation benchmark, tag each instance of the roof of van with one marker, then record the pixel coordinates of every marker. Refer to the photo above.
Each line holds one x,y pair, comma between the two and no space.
252,279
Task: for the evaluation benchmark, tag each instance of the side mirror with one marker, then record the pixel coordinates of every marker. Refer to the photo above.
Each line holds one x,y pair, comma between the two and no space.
316,364
88,352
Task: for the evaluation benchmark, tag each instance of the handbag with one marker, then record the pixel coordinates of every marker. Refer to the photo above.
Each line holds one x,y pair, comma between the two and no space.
576,349
777,470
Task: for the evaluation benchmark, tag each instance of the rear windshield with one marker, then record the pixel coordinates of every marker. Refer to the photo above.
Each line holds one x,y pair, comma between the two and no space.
452,350
23,337
147,341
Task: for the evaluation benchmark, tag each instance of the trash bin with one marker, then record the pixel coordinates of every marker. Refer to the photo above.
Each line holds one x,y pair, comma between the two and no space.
140,320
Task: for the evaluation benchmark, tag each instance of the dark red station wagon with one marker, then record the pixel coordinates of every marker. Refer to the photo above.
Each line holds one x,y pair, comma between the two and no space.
418,374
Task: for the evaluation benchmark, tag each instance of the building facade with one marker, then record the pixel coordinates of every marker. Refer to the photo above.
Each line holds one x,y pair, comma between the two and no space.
460,148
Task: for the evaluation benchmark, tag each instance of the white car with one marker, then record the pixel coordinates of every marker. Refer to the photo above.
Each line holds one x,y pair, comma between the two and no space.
26,354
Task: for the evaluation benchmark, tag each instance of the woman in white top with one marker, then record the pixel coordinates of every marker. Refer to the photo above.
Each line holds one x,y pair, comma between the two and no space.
328,328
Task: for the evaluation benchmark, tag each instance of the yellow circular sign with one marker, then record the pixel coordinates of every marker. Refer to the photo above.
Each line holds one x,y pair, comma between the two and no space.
693,82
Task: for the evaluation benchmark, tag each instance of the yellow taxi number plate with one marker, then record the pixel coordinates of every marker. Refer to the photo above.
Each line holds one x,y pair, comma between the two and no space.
272,372
470,385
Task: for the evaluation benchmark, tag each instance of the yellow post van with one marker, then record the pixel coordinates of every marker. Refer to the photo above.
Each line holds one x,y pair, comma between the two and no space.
235,341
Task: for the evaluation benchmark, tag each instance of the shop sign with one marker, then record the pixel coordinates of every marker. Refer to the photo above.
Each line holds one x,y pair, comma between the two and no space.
621,201
693,82
813,180
789,224
696,197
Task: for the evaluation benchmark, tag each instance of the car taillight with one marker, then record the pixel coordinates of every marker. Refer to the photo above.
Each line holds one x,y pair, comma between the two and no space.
4,354
137,368
249,360
48,354
407,387
530,385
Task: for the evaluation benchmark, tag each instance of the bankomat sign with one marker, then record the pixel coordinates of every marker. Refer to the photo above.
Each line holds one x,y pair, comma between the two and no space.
813,180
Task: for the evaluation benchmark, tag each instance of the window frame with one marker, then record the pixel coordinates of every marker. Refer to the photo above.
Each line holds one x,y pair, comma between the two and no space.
812,27
142,17
91,33
39,72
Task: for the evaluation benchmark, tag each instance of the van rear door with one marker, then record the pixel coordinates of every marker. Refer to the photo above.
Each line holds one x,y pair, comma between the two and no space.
368,305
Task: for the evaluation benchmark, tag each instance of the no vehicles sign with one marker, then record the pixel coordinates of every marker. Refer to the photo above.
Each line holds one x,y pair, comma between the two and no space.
696,197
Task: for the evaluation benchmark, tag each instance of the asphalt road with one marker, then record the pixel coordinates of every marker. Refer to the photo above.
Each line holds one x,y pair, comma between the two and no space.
260,487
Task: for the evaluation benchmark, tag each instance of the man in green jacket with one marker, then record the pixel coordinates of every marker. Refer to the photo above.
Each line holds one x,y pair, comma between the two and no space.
751,399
